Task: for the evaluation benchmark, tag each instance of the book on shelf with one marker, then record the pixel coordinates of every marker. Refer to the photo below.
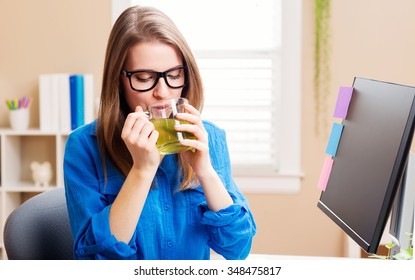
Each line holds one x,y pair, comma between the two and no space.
47,104
76,83
89,98
66,101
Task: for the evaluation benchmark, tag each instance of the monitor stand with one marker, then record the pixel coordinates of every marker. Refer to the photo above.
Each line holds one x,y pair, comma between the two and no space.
402,217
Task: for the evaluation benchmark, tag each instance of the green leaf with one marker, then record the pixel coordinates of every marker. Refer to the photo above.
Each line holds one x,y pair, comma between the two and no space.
378,257
322,14
404,254
410,235
390,245
411,252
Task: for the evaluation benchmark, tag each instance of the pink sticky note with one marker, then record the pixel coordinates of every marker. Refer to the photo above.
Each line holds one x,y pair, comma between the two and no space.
343,102
325,173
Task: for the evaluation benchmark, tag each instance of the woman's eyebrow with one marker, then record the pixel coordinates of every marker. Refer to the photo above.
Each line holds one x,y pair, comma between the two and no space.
151,70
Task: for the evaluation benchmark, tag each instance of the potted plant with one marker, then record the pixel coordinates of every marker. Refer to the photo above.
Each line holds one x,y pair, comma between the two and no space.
404,253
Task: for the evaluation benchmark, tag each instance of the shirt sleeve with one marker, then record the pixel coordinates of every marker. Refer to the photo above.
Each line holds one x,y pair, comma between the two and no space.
88,207
231,229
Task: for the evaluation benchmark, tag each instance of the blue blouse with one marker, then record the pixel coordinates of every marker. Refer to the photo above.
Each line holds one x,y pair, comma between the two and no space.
173,224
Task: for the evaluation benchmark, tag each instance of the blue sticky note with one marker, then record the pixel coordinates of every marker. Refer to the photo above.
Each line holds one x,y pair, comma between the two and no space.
335,135
343,102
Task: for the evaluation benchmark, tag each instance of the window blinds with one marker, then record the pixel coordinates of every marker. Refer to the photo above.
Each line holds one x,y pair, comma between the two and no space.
237,45
239,98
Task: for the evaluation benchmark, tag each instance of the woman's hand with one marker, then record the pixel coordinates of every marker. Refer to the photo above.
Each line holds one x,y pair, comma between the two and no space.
217,196
140,138
198,157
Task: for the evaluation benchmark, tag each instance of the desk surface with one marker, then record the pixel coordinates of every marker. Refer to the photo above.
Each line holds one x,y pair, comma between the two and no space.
279,257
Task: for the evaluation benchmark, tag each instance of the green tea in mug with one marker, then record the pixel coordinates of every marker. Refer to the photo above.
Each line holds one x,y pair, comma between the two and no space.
168,140
162,115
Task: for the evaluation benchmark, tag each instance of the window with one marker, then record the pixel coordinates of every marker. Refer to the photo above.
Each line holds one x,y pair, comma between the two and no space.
248,52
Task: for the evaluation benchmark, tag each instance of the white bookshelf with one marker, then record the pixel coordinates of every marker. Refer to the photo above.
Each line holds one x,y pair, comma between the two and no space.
17,150
43,142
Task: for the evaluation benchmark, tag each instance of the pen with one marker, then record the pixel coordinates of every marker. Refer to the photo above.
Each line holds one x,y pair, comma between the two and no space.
22,103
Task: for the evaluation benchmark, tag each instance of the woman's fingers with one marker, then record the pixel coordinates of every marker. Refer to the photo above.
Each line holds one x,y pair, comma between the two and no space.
192,115
138,129
194,126
193,129
133,125
144,135
195,144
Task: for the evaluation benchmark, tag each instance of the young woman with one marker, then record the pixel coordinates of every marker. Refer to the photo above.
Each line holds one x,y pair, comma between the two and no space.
125,200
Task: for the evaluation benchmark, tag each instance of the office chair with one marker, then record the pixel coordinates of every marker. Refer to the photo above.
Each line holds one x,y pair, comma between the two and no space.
39,229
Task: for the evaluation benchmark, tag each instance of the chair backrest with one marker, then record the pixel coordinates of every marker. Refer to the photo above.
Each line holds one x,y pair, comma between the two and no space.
39,229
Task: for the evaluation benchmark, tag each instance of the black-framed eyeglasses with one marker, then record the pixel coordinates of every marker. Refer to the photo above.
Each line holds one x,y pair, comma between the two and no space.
145,80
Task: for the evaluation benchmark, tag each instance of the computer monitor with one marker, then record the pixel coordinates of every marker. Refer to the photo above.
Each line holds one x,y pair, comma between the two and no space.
402,216
370,160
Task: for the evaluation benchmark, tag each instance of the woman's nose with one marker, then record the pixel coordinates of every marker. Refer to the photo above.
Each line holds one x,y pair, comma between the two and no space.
161,90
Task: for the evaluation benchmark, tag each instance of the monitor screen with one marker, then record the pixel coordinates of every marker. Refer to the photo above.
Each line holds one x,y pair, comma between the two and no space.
370,160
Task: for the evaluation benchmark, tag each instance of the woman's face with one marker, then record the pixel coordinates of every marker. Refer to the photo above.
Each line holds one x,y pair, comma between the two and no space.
154,56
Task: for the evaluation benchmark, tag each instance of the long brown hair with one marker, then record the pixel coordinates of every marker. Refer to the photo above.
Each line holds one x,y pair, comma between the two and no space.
139,24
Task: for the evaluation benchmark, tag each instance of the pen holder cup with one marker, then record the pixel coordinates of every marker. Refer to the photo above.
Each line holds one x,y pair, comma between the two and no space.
19,119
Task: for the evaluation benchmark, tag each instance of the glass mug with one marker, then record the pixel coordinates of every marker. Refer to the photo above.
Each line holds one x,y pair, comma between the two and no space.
162,115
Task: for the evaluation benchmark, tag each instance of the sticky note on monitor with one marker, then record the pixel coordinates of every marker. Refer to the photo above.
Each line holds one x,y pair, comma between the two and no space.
343,102
325,173
335,135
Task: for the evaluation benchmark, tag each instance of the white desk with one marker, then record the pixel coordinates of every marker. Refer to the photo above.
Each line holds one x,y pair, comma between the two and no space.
254,257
